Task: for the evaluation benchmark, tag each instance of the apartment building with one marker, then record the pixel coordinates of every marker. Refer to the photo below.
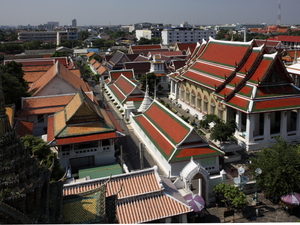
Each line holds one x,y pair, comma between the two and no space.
184,35
48,36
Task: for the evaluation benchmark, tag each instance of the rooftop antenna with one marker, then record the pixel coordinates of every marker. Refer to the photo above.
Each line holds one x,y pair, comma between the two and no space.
279,14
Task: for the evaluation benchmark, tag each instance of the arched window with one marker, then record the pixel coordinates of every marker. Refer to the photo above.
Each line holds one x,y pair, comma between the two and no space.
193,97
199,101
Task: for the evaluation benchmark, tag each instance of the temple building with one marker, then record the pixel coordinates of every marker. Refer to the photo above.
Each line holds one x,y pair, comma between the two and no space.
83,134
241,81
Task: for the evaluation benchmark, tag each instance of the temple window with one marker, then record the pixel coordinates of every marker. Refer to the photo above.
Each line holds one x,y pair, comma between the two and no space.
291,120
40,118
198,103
275,122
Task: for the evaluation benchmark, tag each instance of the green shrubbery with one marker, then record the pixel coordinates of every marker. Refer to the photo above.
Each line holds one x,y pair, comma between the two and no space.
229,195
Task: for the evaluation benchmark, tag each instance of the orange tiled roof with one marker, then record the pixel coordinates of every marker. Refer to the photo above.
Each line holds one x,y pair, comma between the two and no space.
140,196
31,77
47,104
37,67
81,120
59,70
90,54
24,128
102,69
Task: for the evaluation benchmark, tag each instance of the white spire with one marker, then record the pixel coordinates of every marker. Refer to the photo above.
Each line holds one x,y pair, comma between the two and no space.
146,102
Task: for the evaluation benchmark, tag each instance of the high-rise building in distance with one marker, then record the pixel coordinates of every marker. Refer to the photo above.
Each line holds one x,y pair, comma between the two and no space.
74,23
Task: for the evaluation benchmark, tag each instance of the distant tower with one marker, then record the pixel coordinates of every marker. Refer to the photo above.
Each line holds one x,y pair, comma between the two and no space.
74,23
279,13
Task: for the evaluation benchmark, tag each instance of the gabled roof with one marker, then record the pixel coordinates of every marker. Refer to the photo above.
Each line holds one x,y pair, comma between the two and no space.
124,88
118,58
115,74
159,124
24,128
136,192
103,70
241,78
58,70
47,104
80,121
185,47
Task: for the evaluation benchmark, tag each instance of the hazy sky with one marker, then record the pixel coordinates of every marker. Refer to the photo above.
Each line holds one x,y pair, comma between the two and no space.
126,12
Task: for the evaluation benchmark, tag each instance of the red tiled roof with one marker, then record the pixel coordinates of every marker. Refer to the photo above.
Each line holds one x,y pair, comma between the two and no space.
250,60
166,123
188,152
85,138
275,104
261,70
185,46
201,79
226,54
239,103
120,96
115,74
156,137
124,85
212,69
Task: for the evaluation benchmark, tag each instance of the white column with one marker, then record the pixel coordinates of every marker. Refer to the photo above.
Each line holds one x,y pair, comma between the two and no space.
172,87
249,128
238,117
176,90
267,124
283,124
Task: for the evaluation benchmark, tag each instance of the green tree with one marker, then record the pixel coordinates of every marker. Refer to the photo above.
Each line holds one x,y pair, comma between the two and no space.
209,118
280,165
145,41
230,195
82,35
149,79
59,54
39,149
32,45
222,131
14,85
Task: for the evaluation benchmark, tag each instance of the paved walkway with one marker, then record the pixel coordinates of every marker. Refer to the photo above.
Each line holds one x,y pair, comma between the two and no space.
267,213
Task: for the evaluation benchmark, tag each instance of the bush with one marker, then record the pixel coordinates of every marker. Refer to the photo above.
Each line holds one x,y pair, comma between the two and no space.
230,195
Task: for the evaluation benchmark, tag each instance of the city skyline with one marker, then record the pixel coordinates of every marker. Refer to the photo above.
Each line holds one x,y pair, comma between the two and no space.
126,12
